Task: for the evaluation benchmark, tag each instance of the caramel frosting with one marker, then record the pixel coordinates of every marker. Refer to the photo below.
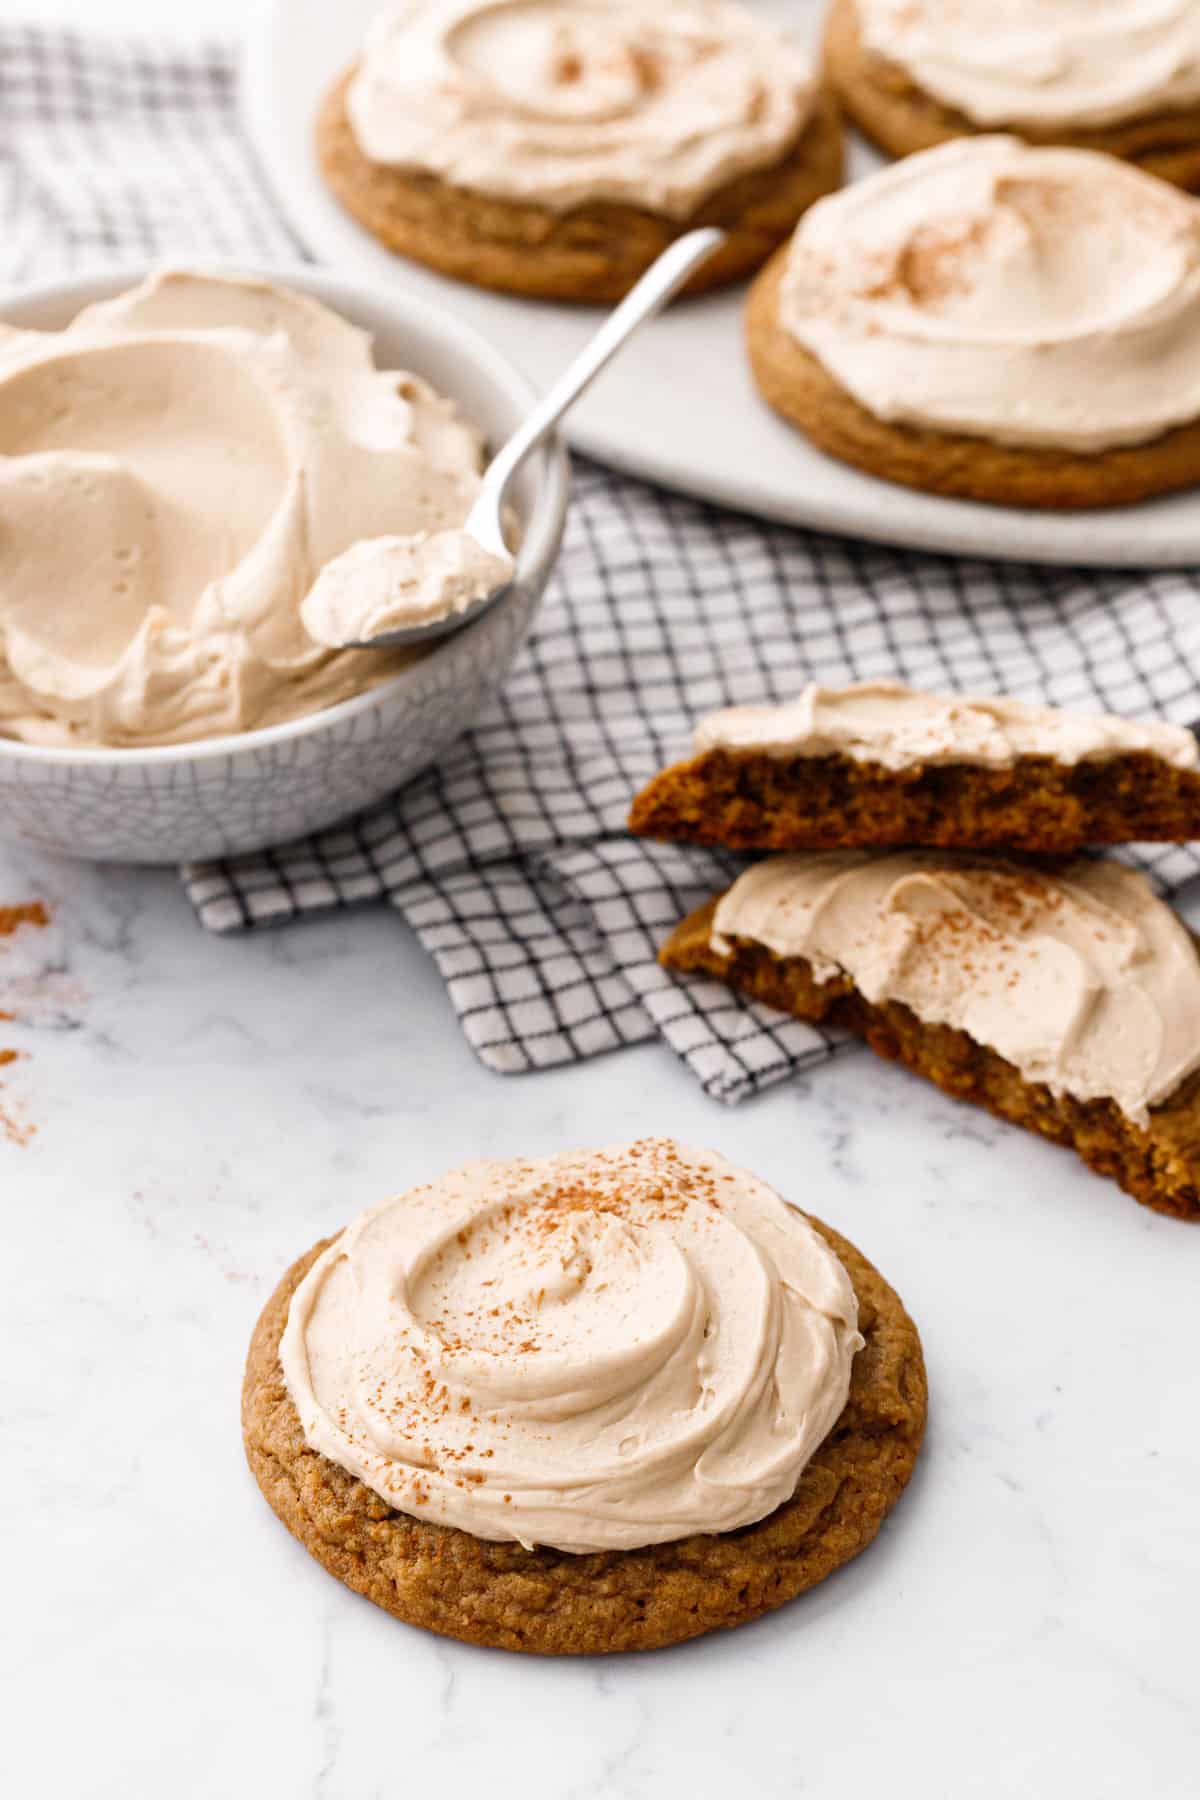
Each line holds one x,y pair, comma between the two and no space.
896,727
400,583
1046,64
594,1351
1082,978
1024,295
176,467
562,102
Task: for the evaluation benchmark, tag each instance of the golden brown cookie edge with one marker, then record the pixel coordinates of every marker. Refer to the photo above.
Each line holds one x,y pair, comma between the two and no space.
901,118
795,384
1159,1167
591,254
553,1603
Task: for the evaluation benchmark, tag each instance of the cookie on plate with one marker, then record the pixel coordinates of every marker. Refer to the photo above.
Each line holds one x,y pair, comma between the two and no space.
996,322
879,764
601,1401
1067,1001
1096,74
554,148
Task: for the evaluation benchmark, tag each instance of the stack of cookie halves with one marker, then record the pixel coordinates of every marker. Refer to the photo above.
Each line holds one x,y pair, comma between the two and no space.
926,890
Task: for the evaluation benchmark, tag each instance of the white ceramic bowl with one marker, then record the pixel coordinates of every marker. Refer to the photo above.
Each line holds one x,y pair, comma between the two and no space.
189,802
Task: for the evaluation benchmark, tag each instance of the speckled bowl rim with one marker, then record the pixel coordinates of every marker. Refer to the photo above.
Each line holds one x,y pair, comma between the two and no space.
539,545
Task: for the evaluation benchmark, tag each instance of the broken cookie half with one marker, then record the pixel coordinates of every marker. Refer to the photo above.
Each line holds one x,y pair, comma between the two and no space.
879,764
1065,999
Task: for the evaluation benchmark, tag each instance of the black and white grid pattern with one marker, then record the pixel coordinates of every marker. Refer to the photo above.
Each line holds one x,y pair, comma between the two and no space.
114,151
509,860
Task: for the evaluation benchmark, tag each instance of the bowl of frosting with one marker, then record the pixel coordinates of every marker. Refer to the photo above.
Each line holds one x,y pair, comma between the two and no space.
181,453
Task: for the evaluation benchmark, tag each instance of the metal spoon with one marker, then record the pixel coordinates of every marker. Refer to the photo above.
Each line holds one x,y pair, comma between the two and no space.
484,522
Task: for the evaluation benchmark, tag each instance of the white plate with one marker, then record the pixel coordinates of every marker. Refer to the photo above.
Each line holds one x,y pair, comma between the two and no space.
678,406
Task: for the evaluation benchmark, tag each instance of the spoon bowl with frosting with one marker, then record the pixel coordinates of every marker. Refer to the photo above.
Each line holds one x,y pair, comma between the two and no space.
389,593
181,454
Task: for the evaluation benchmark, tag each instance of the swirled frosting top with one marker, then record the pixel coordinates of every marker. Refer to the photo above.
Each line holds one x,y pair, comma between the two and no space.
1052,64
176,467
895,726
1030,296
1081,978
594,1351
561,102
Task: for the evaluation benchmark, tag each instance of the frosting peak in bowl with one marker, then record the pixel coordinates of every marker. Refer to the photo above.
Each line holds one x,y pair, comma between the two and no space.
594,1351
176,467
1048,64
1080,977
562,102
1027,295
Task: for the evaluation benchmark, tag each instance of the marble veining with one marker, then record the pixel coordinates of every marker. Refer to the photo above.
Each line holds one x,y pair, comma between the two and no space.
204,1108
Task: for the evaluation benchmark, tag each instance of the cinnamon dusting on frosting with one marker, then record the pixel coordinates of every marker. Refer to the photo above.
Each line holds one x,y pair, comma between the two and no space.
1026,295
565,102
1079,977
598,1350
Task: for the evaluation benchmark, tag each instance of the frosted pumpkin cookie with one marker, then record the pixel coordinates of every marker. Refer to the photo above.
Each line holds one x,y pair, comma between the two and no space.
877,764
1098,74
555,147
1066,1001
602,1401
993,321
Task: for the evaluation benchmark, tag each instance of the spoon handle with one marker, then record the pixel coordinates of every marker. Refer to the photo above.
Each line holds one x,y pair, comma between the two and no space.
662,280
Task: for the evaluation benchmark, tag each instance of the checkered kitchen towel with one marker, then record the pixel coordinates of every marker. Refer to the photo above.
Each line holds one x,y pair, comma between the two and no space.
509,860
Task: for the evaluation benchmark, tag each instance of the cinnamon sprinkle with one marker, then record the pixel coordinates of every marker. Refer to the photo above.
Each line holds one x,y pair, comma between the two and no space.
540,1227
29,912
37,914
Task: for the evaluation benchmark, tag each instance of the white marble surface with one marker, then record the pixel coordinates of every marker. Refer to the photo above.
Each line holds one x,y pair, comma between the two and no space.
188,23
202,1110
205,1109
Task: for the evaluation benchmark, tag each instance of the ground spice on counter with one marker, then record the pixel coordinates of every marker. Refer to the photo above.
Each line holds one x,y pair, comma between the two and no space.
14,1128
